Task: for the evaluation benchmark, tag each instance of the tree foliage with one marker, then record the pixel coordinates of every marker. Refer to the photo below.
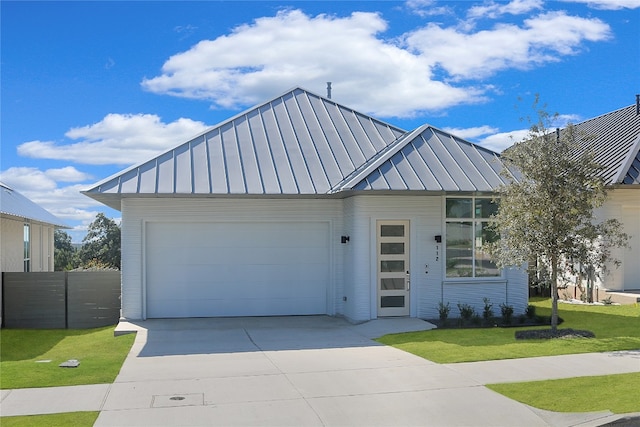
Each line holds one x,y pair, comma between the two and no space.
547,213
101,245
65,255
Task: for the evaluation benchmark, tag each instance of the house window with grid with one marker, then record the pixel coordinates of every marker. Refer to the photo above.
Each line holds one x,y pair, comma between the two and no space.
467,233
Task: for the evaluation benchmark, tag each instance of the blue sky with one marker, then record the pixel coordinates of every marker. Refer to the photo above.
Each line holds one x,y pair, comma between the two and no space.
90,88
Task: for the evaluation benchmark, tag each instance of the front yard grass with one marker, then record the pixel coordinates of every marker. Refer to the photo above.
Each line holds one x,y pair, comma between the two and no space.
615,327
75,419
616,393
24,352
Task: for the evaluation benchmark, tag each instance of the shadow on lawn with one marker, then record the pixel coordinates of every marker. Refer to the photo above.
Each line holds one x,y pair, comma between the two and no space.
25,344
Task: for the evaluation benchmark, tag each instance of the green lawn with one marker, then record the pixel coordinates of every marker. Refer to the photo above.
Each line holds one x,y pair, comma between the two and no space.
616,393
22,352
75,419
615,327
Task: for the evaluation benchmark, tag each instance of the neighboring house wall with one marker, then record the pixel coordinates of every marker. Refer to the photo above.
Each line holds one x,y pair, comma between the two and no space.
12,245
12,251
42,247
623,204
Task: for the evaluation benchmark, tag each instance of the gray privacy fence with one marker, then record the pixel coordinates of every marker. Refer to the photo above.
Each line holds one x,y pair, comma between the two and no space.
60,299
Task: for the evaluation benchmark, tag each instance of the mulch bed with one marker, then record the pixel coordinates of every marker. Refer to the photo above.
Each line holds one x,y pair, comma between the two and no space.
549,334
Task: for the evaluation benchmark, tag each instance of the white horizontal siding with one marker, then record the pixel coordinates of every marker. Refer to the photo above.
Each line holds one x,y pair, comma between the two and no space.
353,291
137,211
624,205
425,216
428,287
12,245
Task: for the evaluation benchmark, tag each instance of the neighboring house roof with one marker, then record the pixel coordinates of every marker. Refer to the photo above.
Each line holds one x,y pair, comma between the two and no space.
15,204
303,144
615,139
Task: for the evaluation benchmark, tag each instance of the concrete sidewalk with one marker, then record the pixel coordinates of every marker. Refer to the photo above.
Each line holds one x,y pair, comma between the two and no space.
307,371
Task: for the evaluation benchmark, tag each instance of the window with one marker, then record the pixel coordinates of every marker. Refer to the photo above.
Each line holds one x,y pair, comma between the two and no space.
27,248
467,232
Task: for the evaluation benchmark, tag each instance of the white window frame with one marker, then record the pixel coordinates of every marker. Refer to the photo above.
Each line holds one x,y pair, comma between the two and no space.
474,221
26,247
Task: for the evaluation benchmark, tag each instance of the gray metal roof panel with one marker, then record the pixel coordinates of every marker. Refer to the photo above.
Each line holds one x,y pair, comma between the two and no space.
633,173
15,204
433,160
615,139
301,143
297,143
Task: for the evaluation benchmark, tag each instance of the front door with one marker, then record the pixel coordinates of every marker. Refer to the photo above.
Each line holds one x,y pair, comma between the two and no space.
394,280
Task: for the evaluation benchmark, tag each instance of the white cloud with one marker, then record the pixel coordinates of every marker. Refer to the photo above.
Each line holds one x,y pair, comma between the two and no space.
608,4
66,202
273,54
42,188
75,214
471,134
492,139
384,77
542,39
67,174
500,141
23,178
489,136
117,139
494,9
424,8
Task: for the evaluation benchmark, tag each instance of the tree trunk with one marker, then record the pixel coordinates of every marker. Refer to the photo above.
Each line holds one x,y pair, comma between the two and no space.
590,283
554,294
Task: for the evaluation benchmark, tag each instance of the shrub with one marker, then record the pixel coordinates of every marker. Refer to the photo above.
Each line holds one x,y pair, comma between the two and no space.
507,313
487,312
466,311
443,311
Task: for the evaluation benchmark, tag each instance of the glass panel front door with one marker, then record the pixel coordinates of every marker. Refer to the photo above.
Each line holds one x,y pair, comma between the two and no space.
393,278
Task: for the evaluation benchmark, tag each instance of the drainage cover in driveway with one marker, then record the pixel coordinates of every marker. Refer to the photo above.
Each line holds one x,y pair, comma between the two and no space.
170,400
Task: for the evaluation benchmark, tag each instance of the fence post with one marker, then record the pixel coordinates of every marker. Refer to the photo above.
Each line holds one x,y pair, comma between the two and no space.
2,300
66,299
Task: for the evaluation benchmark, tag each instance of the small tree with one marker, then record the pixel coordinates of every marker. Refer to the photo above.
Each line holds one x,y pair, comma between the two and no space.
547,212
102,243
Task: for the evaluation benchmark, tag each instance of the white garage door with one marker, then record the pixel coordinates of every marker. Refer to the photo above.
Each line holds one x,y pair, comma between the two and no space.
236,269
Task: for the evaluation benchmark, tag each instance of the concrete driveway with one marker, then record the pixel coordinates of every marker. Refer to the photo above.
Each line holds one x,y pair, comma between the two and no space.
293,371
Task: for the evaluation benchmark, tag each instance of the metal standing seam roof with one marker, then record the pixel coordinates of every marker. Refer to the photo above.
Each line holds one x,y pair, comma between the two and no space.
300,143
15,204
615,139
430,159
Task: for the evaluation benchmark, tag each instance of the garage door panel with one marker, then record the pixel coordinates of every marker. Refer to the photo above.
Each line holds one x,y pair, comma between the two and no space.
177,307
236,269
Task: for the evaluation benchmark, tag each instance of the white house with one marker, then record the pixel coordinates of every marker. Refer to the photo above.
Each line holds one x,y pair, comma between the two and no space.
304,206
615,138
26,233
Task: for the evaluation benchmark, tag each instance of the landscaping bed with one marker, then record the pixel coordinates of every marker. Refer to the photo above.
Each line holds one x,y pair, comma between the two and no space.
535,334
